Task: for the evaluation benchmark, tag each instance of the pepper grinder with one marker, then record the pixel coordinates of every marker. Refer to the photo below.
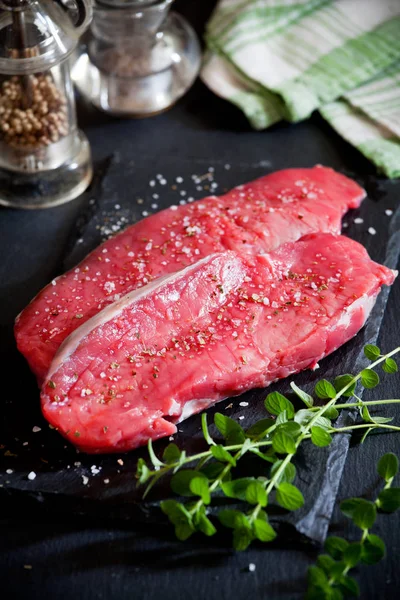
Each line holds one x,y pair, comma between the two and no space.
140,58
44,159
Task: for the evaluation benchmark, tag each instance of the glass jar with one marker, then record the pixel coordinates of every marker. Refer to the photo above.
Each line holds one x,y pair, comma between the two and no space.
140,58
44,158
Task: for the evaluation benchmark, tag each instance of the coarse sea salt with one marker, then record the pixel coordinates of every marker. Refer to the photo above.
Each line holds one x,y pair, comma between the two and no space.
371,230
32,475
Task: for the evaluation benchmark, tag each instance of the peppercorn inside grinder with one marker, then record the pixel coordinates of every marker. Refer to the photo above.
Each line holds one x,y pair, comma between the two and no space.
139,59
45,159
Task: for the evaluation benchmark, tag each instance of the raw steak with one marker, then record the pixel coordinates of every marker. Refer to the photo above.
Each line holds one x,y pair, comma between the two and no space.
226,324
256,217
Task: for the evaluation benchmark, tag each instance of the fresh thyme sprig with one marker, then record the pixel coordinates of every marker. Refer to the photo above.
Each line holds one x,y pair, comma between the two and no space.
274,439
329,578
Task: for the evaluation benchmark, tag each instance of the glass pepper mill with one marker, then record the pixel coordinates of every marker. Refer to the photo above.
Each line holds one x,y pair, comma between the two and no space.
140,58
44,159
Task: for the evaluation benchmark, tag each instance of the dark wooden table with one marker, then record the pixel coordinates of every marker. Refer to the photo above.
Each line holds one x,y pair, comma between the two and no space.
79,557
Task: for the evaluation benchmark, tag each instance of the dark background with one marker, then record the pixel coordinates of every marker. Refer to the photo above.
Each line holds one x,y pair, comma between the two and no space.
80,557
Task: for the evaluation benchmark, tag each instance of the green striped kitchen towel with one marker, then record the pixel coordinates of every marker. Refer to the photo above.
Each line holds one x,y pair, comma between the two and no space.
283,59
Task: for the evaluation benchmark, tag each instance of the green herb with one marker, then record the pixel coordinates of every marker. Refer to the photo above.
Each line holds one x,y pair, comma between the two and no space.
275,440
329,578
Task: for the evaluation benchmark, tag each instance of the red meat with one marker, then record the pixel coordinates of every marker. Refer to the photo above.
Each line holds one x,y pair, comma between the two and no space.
256,217
226,324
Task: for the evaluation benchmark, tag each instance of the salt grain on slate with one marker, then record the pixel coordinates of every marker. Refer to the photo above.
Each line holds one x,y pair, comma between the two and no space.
371,230
358,221
32,475
243,403
85,479
9,471
252,567
36,429
388,212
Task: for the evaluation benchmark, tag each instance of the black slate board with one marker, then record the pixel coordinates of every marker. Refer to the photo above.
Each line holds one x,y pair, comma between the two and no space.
119,195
